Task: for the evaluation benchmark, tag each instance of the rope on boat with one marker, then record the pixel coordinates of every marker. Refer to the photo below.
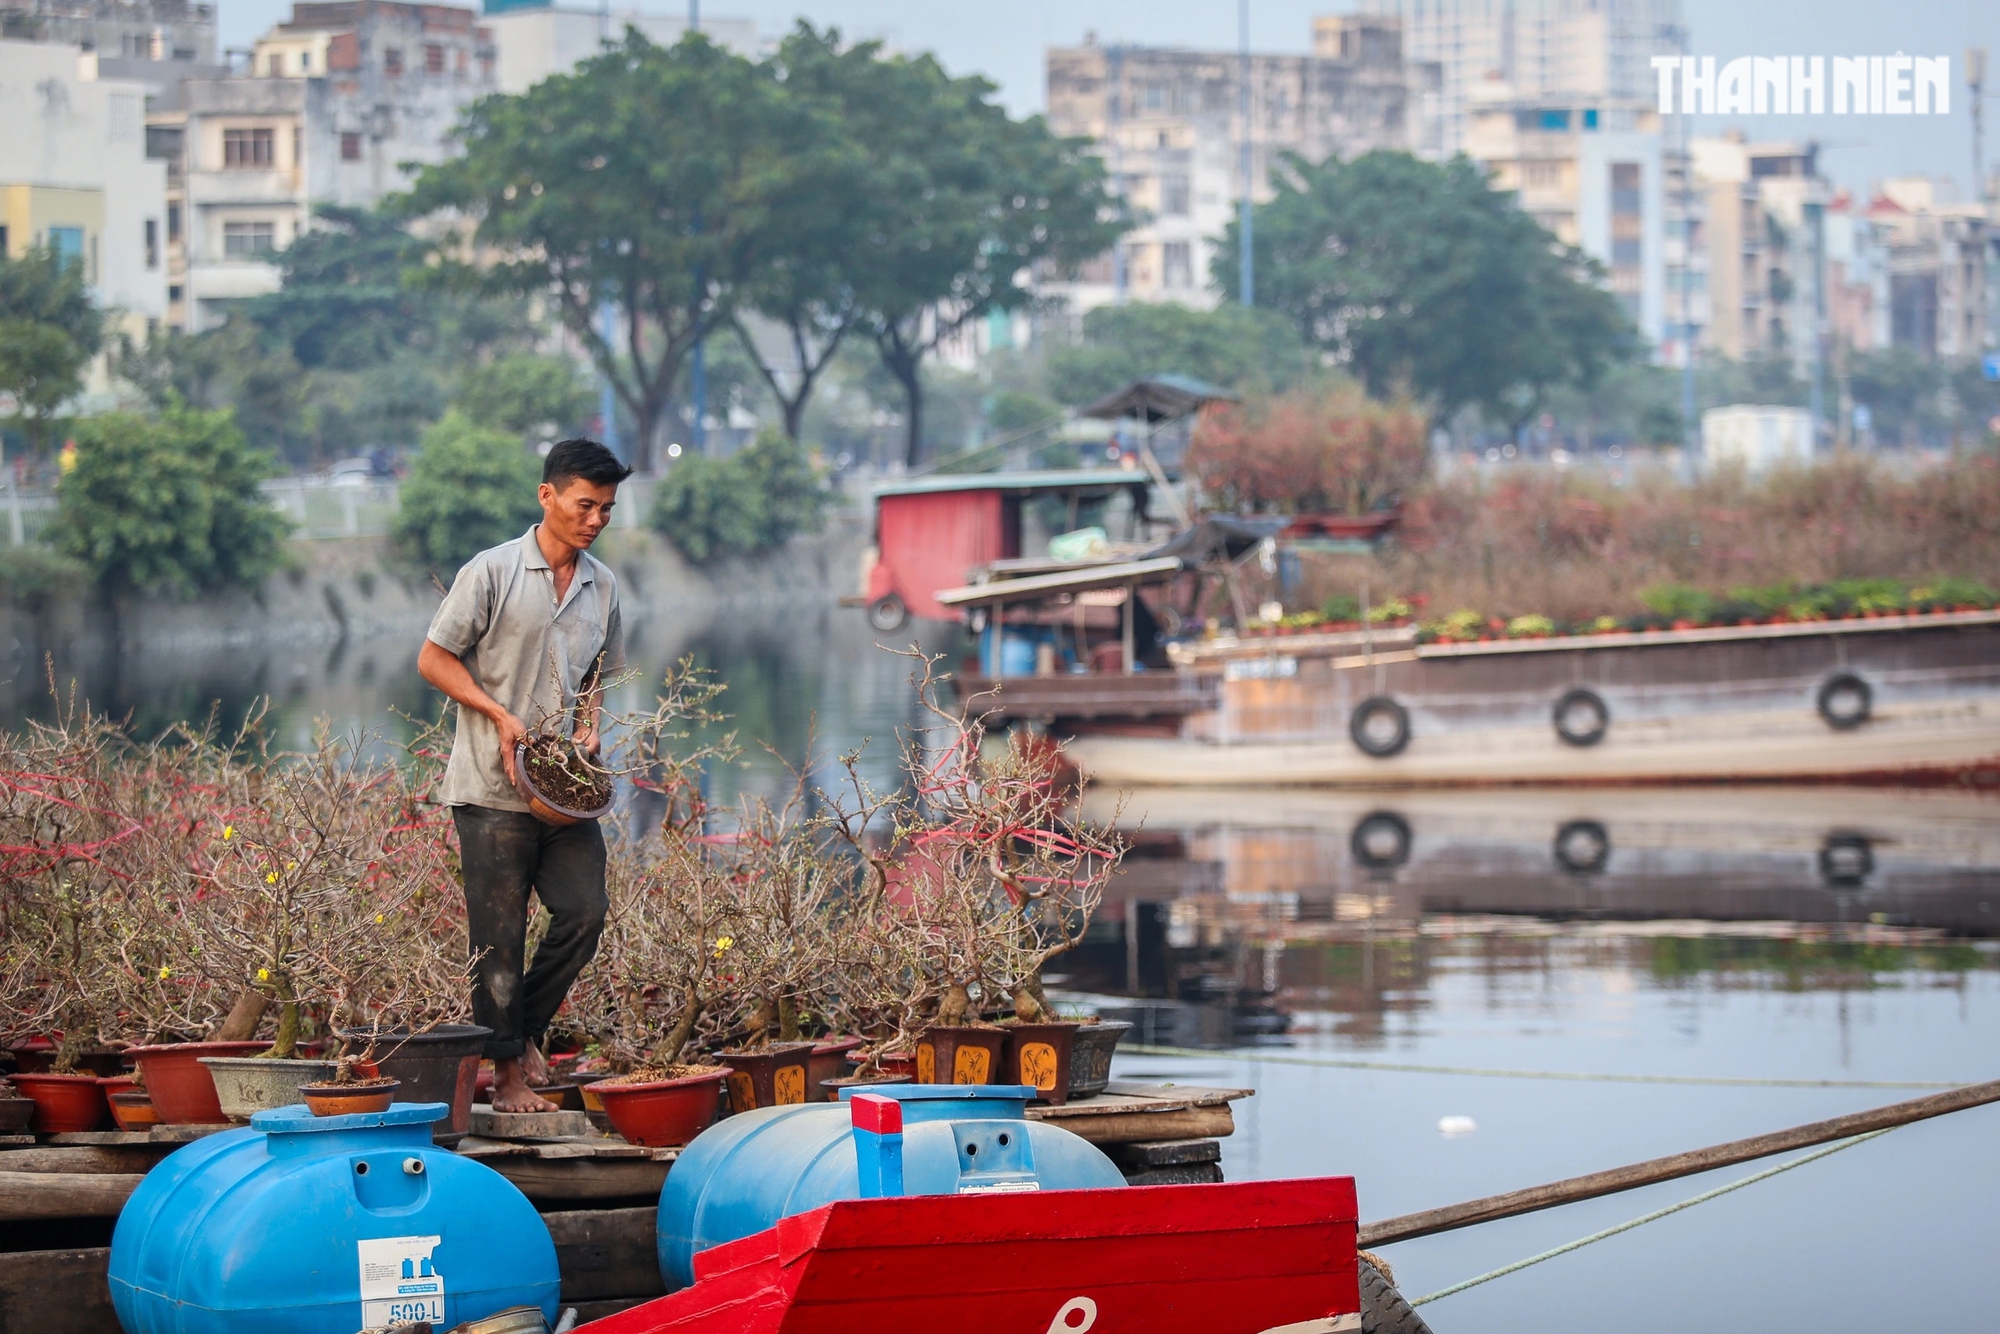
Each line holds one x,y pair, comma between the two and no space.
1721,1081
1702,1198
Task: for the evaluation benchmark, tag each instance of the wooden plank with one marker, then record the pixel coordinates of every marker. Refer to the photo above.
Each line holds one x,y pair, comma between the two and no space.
606,1253
56,1292
1192,1123
1187,1174
1197,1094
1653,1170
139,1158
1166,1153
25,1195
577,1179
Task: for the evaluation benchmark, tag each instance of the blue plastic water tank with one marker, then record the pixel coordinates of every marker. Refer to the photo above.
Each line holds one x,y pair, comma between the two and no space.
325,1225
743,1174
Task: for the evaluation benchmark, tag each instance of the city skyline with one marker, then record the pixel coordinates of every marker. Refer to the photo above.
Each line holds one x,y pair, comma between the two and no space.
1009,48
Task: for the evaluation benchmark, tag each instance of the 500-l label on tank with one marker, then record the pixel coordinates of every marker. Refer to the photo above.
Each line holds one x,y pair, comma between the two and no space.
400,1284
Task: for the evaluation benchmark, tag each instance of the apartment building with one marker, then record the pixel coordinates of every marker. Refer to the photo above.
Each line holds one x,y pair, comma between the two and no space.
1548,51
1168,125
534,38
1592,174
1941,254
74,177
332,104
173,31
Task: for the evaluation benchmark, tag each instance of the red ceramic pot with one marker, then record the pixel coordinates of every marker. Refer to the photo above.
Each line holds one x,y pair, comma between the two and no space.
664,1113
63,1102
889,1062
183,1093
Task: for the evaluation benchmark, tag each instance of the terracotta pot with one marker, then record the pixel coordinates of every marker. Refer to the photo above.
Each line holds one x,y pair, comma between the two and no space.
439,1065
345,1099
182,1091
774,1077
15,1113
586,1092
959,1055
1090,1056
37,1056
541,807
63,1102
132,1109
118,1083
830,1088
246,1085
829,1061
664,1113
1038,1055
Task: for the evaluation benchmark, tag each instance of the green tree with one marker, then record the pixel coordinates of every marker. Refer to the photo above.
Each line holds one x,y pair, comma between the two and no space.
49,331
966,201
703,507
1421,276
1245,350
471,487
342,303
647,177
792,495
168,503
525,393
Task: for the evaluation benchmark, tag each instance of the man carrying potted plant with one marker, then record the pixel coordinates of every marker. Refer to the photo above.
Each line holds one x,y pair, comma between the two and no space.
528,631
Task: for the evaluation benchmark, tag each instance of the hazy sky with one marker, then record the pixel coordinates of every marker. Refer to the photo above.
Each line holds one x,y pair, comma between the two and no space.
1005,42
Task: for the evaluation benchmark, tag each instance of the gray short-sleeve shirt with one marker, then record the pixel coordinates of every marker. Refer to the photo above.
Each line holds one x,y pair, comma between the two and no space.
502,620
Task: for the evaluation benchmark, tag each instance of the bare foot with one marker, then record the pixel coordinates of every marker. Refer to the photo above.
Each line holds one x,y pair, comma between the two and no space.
534,1068
511,1092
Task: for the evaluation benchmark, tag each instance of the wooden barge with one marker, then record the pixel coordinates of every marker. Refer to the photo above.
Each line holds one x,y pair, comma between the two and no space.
1893,698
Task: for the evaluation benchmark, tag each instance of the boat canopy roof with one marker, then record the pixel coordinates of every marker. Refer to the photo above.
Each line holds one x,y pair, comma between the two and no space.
1036,587
1223,537
1159,398
1049,479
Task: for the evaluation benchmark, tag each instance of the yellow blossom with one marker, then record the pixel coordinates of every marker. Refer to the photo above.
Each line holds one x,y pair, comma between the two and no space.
227,831
722,944
263,975
270,877
165,972
378,919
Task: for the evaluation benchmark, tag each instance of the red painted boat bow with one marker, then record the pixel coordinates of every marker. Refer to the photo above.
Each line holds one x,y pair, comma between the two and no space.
1241,1258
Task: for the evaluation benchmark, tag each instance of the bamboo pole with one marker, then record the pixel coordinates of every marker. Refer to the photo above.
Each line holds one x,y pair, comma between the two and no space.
1691,1163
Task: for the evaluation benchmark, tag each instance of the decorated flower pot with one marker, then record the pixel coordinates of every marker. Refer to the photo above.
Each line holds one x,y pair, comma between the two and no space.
247,1085
1090,1056
63,1102
828,1061
775,1077
1038,1055
960,1055
663,1113
183,1093
368,1095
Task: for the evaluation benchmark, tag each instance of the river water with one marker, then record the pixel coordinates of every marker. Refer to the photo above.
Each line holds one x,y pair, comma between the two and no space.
1310,943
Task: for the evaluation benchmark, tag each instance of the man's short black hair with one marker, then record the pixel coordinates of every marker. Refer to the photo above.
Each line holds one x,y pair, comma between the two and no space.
586,459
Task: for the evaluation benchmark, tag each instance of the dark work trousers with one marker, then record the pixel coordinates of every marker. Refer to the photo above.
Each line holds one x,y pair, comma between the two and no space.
506,854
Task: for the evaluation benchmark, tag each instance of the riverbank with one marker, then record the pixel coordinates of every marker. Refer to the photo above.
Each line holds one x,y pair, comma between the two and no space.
358,599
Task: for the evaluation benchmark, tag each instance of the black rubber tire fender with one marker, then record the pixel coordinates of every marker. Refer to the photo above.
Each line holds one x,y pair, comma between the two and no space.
887,614
1576,699
1369,709
1383,1310
1845,683
1846,860
1374,829
1582,847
